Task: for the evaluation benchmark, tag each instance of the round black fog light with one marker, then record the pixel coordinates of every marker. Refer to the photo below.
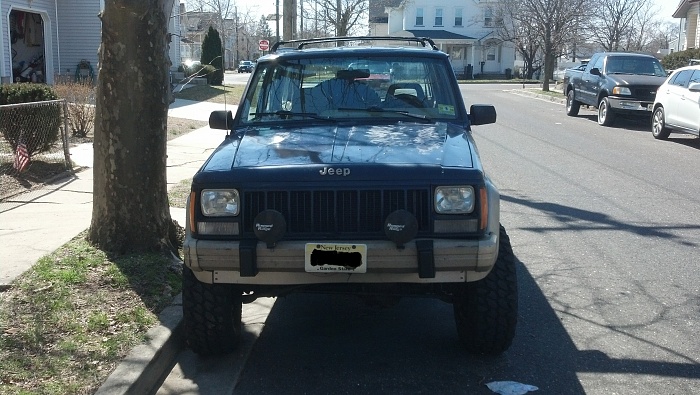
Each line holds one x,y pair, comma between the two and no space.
269,226
401,227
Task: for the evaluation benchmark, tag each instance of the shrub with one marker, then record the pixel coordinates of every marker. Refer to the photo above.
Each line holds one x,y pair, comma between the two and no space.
209,72
194,71
81,106
680,59
211,55
37,126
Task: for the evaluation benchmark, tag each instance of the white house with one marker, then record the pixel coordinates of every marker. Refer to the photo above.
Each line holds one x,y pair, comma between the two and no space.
43,39
688,11
466,30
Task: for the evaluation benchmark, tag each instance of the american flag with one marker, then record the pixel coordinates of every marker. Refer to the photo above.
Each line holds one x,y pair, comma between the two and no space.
21,157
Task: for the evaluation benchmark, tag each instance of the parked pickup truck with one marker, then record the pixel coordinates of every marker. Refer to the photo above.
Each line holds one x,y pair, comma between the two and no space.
614,83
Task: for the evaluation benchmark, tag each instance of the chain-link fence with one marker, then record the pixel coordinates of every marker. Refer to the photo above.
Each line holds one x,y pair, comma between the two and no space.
33,139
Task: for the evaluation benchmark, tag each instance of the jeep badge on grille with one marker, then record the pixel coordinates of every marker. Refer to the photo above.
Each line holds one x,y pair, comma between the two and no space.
333,171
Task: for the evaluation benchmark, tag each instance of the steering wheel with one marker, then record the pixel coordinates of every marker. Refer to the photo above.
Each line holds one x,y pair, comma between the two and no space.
410,100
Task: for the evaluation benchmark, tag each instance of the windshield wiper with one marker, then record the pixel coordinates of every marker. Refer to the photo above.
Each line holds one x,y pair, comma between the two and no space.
384,110
284,113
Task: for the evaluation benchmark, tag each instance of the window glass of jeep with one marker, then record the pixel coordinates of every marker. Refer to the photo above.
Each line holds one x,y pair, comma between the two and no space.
339,88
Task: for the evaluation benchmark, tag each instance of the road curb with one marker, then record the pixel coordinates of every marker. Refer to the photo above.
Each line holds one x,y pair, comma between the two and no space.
147,365
526,92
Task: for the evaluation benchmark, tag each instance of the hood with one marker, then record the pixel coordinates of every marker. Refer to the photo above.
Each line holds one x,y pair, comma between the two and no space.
440,144
636,80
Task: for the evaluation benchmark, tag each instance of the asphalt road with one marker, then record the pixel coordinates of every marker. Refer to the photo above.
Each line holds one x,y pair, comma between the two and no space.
605,225
236,78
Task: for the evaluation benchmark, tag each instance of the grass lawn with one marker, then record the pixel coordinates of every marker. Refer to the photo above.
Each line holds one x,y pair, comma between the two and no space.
229,94
66,323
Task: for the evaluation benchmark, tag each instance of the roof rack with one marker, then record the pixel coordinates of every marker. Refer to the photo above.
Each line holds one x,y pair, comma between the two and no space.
425,41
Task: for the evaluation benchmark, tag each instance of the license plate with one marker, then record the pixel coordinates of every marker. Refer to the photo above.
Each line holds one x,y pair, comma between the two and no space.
336,258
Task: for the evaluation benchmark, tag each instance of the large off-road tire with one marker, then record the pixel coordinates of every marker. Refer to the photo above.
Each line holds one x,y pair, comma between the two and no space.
658,124
606,115
211,315
572,105
486,311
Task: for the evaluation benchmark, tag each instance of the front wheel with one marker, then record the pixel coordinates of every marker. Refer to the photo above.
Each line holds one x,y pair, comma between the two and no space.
572,105
486,311
658,124
606,115
211,315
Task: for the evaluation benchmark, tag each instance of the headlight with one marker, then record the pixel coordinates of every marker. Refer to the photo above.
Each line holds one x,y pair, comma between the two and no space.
454,200
622,90
220,202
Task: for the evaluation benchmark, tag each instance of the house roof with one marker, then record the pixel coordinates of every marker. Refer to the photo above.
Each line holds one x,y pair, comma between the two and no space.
683,7
440,34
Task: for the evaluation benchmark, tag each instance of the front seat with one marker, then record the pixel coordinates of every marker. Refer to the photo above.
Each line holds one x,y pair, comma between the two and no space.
399,93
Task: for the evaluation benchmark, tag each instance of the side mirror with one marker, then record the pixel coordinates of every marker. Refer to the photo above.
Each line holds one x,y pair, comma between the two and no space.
221,120
694,87
482,114
595,71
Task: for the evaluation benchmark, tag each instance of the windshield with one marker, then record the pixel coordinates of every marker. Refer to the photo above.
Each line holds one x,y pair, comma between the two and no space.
640,65
345,88
374,67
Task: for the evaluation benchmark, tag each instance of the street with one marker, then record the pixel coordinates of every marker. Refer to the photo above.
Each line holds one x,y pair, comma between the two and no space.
235,78
605,226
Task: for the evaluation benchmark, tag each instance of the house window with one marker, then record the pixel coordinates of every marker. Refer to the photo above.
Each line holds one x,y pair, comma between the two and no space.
438,17
419,17
491,54
458,17
488,17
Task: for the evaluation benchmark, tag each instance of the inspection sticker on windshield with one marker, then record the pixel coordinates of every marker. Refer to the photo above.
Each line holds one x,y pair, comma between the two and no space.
336,258
446,109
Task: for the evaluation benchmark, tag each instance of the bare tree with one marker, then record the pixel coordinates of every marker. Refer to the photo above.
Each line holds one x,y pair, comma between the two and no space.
552,22
523,36
644,27
614,22
665,34
344,17
263,30
315,22
130,202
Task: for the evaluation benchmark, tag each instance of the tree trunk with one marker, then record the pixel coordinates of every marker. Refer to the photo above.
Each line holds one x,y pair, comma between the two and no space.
130,203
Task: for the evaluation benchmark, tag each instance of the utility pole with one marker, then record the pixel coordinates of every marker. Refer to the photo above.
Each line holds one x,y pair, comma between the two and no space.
290,22
237,59
277,18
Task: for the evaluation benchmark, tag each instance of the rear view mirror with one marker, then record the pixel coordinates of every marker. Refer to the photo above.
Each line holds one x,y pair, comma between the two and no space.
694,87
482,114
221,120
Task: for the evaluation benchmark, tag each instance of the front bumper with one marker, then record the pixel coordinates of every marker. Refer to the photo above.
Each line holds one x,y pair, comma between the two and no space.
453,261
640,106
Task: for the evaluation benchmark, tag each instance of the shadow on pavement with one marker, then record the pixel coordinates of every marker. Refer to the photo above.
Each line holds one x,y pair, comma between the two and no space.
320,344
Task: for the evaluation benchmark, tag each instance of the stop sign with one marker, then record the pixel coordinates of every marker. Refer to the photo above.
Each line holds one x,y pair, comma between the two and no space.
264,45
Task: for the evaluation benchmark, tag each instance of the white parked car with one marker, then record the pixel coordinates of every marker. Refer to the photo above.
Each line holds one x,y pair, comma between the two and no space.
677,104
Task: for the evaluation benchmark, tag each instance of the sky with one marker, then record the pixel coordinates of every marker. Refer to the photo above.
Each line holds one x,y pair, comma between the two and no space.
667,8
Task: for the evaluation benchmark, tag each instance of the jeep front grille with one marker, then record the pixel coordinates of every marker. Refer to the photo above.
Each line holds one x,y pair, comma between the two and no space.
324,213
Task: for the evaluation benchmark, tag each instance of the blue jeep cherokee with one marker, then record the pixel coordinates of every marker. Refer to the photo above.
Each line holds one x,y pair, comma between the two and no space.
326,183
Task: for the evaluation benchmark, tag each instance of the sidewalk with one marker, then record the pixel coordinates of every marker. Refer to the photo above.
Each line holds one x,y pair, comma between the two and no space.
37,223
